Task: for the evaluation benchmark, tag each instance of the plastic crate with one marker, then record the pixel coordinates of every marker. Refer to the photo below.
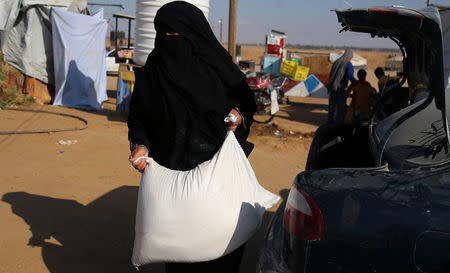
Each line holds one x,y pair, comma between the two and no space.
301,73
297,60
289,68
295,71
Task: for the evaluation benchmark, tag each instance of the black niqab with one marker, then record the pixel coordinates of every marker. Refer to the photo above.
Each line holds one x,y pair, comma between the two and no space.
185,90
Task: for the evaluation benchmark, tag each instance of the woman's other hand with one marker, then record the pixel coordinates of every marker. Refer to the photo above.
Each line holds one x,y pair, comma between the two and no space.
233,125
135,154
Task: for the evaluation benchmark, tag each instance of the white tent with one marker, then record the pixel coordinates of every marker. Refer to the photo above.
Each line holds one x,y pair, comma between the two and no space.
79,59
357,61
25,34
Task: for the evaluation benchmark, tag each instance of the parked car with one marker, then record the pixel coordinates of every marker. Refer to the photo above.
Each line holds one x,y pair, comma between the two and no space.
111,65
375,196
113,59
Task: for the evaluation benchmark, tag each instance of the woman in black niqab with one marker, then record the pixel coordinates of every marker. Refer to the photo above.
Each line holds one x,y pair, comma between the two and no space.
187,87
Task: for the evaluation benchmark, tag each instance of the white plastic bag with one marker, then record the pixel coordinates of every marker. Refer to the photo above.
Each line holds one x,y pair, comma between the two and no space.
201,214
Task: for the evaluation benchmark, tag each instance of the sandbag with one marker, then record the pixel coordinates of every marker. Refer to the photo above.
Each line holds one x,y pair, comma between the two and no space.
200,214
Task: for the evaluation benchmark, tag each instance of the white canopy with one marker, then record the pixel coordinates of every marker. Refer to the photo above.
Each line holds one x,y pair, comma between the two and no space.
357,60
79,59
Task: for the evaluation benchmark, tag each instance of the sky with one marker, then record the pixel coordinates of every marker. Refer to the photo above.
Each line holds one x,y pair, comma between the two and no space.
305,22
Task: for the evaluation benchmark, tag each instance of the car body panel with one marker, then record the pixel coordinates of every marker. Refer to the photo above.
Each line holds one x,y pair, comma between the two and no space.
421,139
395,218
372,221
111,65
113,61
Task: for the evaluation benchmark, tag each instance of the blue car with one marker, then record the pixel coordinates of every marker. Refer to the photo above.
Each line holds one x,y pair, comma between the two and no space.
375,195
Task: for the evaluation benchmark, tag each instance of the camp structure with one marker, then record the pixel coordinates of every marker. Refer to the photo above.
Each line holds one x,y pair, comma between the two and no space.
53,43
357,61
79,59
26,35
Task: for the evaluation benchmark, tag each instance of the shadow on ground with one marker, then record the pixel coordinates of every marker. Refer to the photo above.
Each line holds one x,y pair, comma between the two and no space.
75,238
109,109
254,245
309,113
97,237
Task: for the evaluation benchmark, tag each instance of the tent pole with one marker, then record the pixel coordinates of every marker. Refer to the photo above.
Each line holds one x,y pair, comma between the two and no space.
115,34
129,31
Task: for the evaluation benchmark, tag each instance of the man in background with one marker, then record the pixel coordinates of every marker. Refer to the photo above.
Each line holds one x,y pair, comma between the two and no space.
361,93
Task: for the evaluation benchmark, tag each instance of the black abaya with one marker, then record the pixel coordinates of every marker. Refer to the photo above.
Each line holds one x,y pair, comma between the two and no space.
187,87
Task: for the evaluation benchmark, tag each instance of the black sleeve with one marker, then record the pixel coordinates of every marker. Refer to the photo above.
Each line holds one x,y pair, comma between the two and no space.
242,98
137,133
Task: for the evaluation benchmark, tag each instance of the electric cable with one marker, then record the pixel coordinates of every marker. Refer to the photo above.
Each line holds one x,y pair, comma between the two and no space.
52,130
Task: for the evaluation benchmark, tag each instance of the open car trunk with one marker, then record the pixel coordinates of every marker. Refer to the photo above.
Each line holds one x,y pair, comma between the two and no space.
418,134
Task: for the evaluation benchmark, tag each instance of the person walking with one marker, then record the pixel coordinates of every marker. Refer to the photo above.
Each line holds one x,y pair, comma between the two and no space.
183,93
341,72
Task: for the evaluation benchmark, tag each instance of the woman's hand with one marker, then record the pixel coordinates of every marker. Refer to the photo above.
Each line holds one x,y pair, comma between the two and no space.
233,125
135,154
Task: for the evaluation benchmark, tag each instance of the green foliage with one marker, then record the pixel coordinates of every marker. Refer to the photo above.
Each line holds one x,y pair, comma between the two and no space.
1,61
9,96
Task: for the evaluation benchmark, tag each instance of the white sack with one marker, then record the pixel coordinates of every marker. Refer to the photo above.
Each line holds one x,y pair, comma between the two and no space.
79,59
201,214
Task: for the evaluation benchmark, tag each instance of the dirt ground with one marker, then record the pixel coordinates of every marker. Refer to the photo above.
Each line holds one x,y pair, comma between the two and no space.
70,208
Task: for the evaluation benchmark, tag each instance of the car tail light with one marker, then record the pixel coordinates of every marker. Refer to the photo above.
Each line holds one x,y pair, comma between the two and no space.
384,10
394,10
302,217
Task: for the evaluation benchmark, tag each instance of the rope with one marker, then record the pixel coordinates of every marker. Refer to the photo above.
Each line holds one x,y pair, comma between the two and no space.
45,130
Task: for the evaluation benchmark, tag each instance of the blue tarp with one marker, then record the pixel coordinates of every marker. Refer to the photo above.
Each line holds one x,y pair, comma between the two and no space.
123,97
271,65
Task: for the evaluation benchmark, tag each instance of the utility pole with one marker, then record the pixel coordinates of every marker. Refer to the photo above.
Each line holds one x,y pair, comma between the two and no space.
220,23
115,36
232,29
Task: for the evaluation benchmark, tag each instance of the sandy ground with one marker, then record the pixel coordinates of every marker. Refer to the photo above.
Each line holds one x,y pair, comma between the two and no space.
70,208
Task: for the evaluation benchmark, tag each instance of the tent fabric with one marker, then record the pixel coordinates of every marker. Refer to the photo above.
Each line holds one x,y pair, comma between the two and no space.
79,59
26,37
357,61
9,10
312,87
